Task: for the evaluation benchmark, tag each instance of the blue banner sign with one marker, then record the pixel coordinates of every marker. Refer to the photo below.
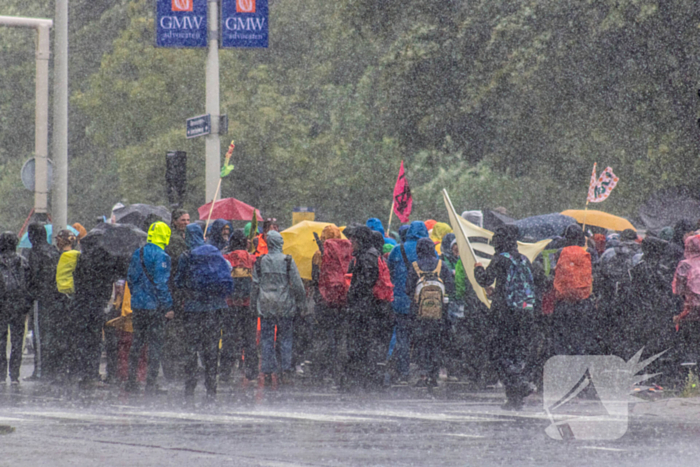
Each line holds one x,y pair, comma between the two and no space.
244,23
181,23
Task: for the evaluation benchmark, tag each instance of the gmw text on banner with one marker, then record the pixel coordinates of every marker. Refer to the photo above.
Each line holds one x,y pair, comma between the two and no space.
181,23
244,23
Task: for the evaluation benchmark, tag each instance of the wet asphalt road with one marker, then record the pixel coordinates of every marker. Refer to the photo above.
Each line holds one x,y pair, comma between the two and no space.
309,426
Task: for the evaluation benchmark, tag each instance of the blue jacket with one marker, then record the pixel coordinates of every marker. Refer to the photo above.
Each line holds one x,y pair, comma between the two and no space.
375,224
399,274
144,295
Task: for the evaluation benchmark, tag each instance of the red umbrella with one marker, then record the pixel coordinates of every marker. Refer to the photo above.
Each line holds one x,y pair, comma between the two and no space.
229,209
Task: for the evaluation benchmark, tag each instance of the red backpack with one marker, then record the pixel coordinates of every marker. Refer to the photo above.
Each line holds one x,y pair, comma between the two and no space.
337,254
573,279
383,289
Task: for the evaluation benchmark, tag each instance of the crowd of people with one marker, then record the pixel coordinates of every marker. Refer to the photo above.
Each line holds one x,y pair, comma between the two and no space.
381,309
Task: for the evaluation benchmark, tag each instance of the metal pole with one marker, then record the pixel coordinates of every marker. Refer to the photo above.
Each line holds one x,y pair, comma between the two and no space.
59,200
212,143
41,130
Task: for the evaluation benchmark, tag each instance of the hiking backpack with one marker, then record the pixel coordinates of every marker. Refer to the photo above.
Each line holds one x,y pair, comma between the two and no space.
242,278
383,289
519,286
337,254
209,271
430,292
573,279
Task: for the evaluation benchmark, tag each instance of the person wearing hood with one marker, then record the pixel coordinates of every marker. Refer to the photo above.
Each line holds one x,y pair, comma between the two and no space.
43,261
239,322
573,324
375,225
218,234
15,303
362,307
513,325
686,284
440,229
654,305
613,287
151,303
277,295
400,260
328,280
205,277
428,332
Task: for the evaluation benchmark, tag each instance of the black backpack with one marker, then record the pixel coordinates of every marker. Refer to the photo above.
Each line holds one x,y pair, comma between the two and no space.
11,276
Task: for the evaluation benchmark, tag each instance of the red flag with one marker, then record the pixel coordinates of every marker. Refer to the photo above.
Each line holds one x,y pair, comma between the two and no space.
403,201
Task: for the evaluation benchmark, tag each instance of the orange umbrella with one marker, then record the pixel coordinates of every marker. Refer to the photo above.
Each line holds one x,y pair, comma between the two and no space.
599,219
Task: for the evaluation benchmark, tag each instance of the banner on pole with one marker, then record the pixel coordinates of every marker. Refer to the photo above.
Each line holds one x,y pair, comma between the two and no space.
181,23
245,23
600,187
403,201
474,246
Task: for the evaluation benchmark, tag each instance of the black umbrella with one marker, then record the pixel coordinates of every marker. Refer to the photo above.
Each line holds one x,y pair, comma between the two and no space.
666,207
545,226
136,214
119,240
494,220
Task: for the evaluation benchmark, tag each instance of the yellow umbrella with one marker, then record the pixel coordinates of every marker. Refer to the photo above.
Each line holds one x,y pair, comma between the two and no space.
599,219
299,242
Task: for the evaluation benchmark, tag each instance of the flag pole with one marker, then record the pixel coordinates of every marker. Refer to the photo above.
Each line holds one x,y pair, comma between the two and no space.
585,210
218,186
388,227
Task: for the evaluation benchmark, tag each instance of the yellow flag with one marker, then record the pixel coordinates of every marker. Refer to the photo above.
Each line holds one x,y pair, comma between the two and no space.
473,242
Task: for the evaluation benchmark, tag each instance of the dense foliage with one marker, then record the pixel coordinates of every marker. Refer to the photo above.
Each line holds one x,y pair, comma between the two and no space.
502,103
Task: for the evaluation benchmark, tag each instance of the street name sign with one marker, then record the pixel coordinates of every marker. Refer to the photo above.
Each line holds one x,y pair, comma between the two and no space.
198,126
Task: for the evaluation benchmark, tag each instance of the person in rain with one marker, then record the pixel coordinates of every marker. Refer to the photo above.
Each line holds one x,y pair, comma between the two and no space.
218,234
573,326
375,225
440,229
330,298
151,303
277,295
93,277
653,304
400,260
361,305
52,305
15,303
456,333
429,271
613,289
512,316
239,322
174,346
686,284
205,276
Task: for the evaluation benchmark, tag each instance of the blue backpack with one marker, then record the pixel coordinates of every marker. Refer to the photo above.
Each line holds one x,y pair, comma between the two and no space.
209,271
520,287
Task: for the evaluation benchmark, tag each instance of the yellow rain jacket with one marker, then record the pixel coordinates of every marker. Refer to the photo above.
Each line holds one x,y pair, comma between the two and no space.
64,271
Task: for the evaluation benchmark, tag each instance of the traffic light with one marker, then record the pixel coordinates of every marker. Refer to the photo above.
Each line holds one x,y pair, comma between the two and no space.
176,176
